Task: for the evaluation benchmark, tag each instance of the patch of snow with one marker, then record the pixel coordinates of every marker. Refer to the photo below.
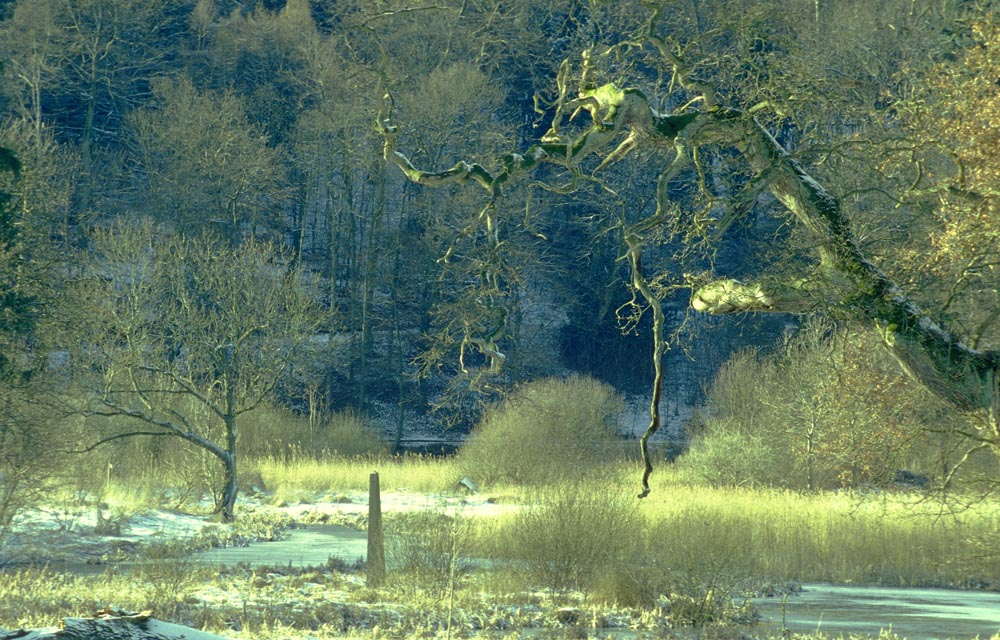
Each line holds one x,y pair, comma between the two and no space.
401,502
159,628
153,522
165,524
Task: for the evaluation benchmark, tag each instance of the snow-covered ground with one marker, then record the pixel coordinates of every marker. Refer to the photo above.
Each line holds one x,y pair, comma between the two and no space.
75,536
356,503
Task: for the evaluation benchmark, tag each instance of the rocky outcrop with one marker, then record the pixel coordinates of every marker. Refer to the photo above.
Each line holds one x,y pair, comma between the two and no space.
112,625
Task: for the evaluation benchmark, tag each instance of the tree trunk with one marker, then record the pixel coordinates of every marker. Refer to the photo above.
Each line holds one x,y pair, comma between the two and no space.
86,156
372,254
227,506
397,338
227,503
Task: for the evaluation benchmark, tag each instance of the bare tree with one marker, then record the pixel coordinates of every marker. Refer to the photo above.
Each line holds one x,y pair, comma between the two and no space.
184,336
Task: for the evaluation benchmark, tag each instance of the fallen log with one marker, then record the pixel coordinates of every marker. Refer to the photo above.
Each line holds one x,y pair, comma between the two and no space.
109,624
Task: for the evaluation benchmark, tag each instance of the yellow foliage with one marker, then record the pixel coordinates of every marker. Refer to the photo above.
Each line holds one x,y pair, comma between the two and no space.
952,119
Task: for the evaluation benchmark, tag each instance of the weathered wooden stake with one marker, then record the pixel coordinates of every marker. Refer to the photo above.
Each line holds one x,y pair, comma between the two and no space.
376,543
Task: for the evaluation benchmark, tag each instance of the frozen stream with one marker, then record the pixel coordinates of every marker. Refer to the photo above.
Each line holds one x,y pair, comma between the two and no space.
918,614
308,546
910,613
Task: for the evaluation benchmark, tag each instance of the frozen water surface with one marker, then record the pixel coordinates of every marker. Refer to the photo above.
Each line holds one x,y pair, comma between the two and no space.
912,613
308,546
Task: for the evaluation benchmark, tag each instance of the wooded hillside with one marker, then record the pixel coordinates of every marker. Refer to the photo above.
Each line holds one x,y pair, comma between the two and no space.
224,204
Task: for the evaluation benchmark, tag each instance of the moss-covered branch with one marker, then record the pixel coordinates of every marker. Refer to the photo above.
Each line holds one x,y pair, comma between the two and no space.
615,113
733,296
965,377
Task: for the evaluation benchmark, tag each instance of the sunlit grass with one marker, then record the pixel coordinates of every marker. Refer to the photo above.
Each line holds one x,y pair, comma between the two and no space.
774,534
684,539
891,539
319,477
882,538
887,539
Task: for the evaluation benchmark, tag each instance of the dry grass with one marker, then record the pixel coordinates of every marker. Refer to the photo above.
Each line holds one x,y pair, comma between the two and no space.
877,538
725,533
318,477
769,533
689,542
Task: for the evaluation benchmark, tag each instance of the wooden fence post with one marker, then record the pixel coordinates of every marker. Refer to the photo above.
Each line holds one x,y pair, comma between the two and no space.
376,543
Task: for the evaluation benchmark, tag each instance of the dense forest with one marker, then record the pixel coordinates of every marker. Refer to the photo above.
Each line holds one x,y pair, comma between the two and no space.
775,223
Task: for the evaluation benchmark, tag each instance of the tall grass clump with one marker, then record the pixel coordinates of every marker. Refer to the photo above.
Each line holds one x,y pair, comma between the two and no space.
548,430
888,539
278,433
288,479
574,536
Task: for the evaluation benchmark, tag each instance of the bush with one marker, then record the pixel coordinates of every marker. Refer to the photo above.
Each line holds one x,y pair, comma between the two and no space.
831,410
732,458
546,431
575,536
425,547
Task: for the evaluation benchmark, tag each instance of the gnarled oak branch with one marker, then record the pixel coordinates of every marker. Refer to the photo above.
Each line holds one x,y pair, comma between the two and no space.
843,276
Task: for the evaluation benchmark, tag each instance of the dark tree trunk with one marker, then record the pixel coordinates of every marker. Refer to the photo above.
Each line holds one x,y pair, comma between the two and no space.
227,503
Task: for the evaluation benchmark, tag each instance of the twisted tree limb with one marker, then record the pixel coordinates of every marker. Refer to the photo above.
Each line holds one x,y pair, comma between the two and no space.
843,277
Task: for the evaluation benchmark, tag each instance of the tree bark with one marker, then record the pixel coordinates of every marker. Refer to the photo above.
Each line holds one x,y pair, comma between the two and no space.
227,504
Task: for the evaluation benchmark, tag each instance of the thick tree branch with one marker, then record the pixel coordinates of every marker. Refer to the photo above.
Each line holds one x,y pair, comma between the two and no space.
124,435
119,410
733,296
963,376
